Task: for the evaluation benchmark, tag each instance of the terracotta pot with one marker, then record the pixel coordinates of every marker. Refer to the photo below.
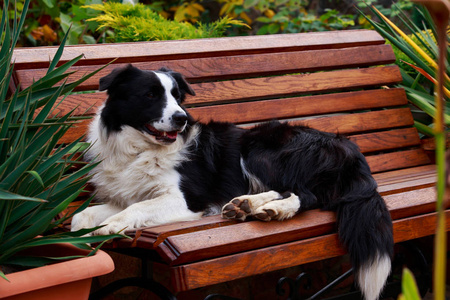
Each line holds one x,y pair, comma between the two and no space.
66,280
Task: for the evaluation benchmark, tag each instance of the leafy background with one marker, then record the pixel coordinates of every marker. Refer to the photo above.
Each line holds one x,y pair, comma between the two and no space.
49,20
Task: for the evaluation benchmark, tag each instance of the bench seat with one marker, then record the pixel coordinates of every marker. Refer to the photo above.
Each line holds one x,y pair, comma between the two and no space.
341,82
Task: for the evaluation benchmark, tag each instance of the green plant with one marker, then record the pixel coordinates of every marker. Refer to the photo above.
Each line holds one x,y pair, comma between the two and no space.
49,20
131,23
37,176
292,21
432,62
419,69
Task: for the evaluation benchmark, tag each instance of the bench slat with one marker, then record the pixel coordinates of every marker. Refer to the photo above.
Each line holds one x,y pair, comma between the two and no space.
397,160
257,111
406,179
386,140
281,86
240,66
157,50
361,122
282,256
343,124
214,242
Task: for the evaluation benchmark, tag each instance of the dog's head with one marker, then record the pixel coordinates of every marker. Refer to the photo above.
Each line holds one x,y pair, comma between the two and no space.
148,101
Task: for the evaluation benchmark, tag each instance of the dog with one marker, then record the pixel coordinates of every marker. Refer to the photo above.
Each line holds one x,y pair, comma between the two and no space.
158,165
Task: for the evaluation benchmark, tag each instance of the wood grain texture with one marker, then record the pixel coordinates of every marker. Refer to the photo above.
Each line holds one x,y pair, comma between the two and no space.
204,273
407,179
157,50
291,85
341,123
238,66
397,160
270,87
264,110
259,110
361,122
386,140
219,241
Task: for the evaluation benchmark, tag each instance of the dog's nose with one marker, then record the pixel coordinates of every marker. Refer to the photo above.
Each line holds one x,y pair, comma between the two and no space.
179,118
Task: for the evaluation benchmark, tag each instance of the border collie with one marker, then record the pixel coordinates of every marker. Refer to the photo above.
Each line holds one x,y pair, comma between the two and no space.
158,165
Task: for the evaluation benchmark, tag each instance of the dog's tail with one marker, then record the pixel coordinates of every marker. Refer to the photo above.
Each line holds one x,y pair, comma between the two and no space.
365,229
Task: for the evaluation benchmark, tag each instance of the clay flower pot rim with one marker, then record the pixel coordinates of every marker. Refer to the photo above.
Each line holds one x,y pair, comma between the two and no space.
59,273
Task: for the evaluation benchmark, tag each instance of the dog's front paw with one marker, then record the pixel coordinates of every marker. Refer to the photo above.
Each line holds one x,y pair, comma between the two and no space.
112,227
238,208
82,220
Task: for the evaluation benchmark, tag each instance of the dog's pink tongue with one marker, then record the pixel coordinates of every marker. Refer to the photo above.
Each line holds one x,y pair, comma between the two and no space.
172,134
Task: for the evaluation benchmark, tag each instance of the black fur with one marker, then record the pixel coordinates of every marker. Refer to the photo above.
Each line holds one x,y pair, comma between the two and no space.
325,170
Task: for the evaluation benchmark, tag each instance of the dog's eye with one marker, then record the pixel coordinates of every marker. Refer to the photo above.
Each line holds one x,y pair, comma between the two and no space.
149,95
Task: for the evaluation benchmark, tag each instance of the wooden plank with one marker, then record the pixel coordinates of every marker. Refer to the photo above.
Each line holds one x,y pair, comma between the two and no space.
239,66
270,87
361,122
150,237
213,242
397,160
157,50
283,86
227,268
343,124
264,110
386,140
406,174
406,179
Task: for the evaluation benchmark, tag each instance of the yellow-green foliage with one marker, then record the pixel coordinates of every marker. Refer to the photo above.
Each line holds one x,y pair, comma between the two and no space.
132,23
402,57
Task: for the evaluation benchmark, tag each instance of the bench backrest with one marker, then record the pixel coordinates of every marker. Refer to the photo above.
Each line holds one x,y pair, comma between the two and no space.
337,81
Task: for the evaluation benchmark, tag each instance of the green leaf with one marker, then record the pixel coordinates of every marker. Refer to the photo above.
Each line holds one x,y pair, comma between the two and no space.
250,3
37,177
48,3
7,195
422,128
409,286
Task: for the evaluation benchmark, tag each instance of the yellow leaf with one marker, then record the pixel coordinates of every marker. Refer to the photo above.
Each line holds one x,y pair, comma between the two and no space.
198,7
225,8
408,39
246,18
269,13
188,11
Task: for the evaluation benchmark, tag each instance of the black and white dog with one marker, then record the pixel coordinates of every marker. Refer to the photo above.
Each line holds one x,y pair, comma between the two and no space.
158,165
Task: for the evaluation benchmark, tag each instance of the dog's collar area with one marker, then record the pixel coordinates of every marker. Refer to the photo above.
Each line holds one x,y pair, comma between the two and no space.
165,136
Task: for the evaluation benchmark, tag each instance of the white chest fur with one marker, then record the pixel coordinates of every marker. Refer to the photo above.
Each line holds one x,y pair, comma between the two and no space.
132,168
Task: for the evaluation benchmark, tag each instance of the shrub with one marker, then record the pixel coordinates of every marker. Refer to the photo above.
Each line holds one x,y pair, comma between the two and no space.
131,23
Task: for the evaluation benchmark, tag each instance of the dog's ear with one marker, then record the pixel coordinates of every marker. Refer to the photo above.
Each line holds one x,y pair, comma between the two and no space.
109,80
183,85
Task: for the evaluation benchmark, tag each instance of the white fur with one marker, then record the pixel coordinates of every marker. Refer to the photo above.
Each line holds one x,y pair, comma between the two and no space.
172,106
372,276
136,178
255,185
284,208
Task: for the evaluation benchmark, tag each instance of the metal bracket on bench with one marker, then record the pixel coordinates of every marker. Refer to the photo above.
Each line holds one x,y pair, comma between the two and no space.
305,280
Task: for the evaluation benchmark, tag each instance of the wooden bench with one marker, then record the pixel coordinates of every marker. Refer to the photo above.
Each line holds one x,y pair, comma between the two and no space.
337,81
